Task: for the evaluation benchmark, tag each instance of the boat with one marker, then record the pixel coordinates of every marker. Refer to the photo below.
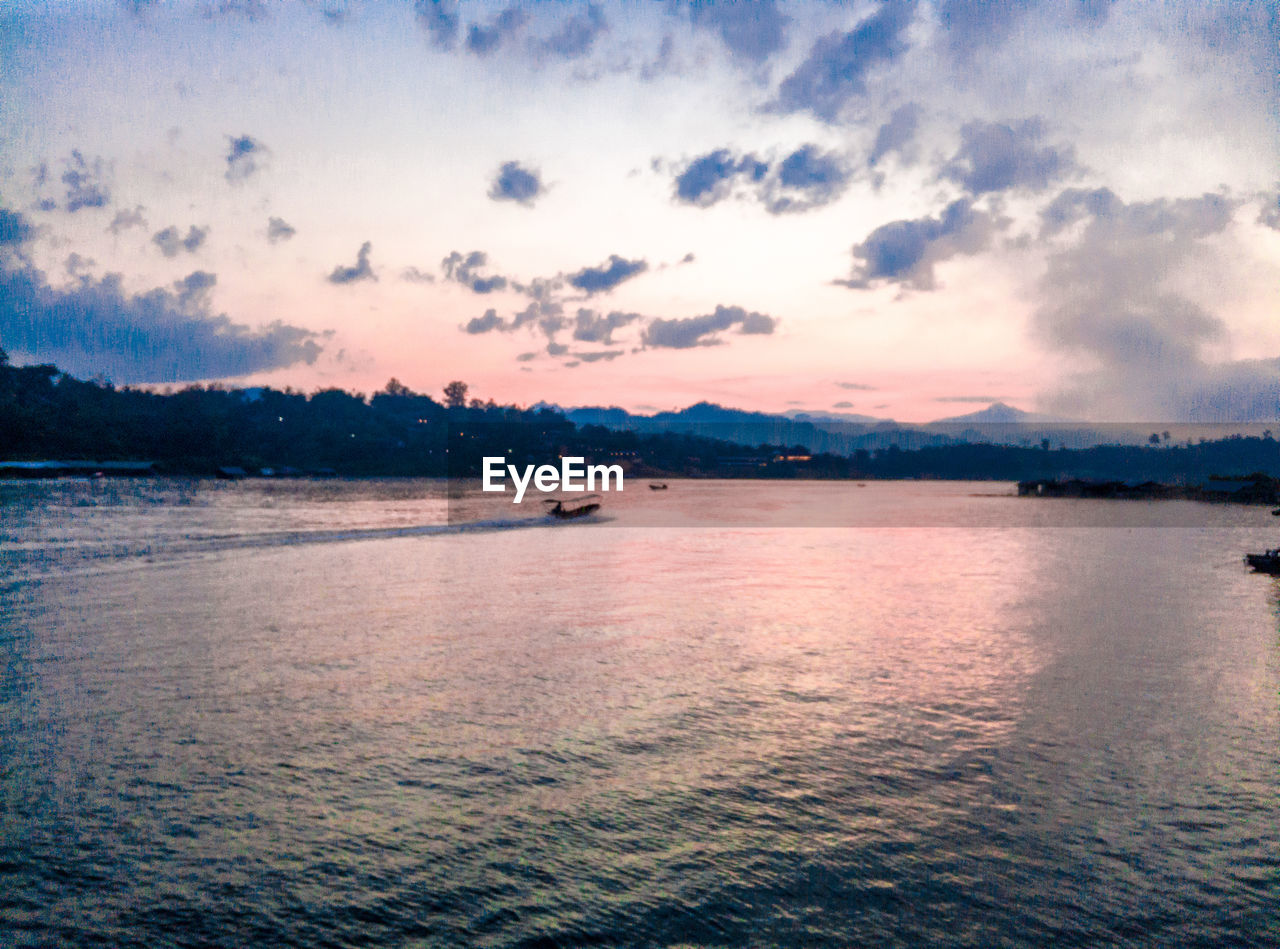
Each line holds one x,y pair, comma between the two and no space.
578,509
1268,562
657,486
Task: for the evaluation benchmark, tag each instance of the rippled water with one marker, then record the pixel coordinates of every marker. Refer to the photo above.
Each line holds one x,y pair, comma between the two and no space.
328,714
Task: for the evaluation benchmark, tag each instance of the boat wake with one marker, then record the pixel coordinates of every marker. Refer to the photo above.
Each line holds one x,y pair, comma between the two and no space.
20,563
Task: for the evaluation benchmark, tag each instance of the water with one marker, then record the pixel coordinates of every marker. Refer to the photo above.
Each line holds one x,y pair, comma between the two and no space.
334,714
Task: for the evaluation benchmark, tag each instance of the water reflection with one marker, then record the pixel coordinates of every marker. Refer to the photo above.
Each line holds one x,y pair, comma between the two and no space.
650,736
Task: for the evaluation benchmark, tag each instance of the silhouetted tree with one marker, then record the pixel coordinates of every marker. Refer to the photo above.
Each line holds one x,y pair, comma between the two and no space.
455,394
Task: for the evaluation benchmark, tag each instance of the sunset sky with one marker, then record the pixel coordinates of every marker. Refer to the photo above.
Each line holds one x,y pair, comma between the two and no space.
899,209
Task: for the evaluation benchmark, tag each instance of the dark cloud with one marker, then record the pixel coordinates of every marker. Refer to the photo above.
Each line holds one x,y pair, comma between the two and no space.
463,269
556,349
615,270
171,242
606,355
126,219
526,357
836,68
484,40
856,386
1112,296
577,35
440,19
702,330
546,316
752,29
485,324
84,181
897,135
806,179
15,229
593,327
361,271
193,289
245,156
710,177
94,328
843,405
905,252
994,157
514,183
278,230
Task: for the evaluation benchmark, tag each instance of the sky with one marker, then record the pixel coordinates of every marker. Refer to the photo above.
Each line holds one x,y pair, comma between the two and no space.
899,209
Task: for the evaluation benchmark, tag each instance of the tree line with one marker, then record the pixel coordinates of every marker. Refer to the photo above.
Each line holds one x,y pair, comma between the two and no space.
47,414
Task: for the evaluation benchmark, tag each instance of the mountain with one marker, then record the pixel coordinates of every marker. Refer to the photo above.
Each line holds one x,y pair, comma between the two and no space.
997,413
817,433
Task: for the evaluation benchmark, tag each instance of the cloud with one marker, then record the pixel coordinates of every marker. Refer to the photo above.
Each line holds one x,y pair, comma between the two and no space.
361,271
751,31
974,27
905,252
1269,216
251,10
84,181
897,135
15,229
806,179
855,386
709,178
1112,298
485,40
995,157
95,328
842,405
193,289
171,242
593,327
606,355
702,330
414,275
514,183
462,269
577,35
485,324
244,157
615,270
126,219
278,230
836,68
440,19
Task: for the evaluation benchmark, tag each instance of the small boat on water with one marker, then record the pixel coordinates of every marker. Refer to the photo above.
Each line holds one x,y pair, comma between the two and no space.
579,509
657,486
1268,562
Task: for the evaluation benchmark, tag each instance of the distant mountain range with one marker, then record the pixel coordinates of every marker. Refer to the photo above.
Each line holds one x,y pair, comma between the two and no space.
844,433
